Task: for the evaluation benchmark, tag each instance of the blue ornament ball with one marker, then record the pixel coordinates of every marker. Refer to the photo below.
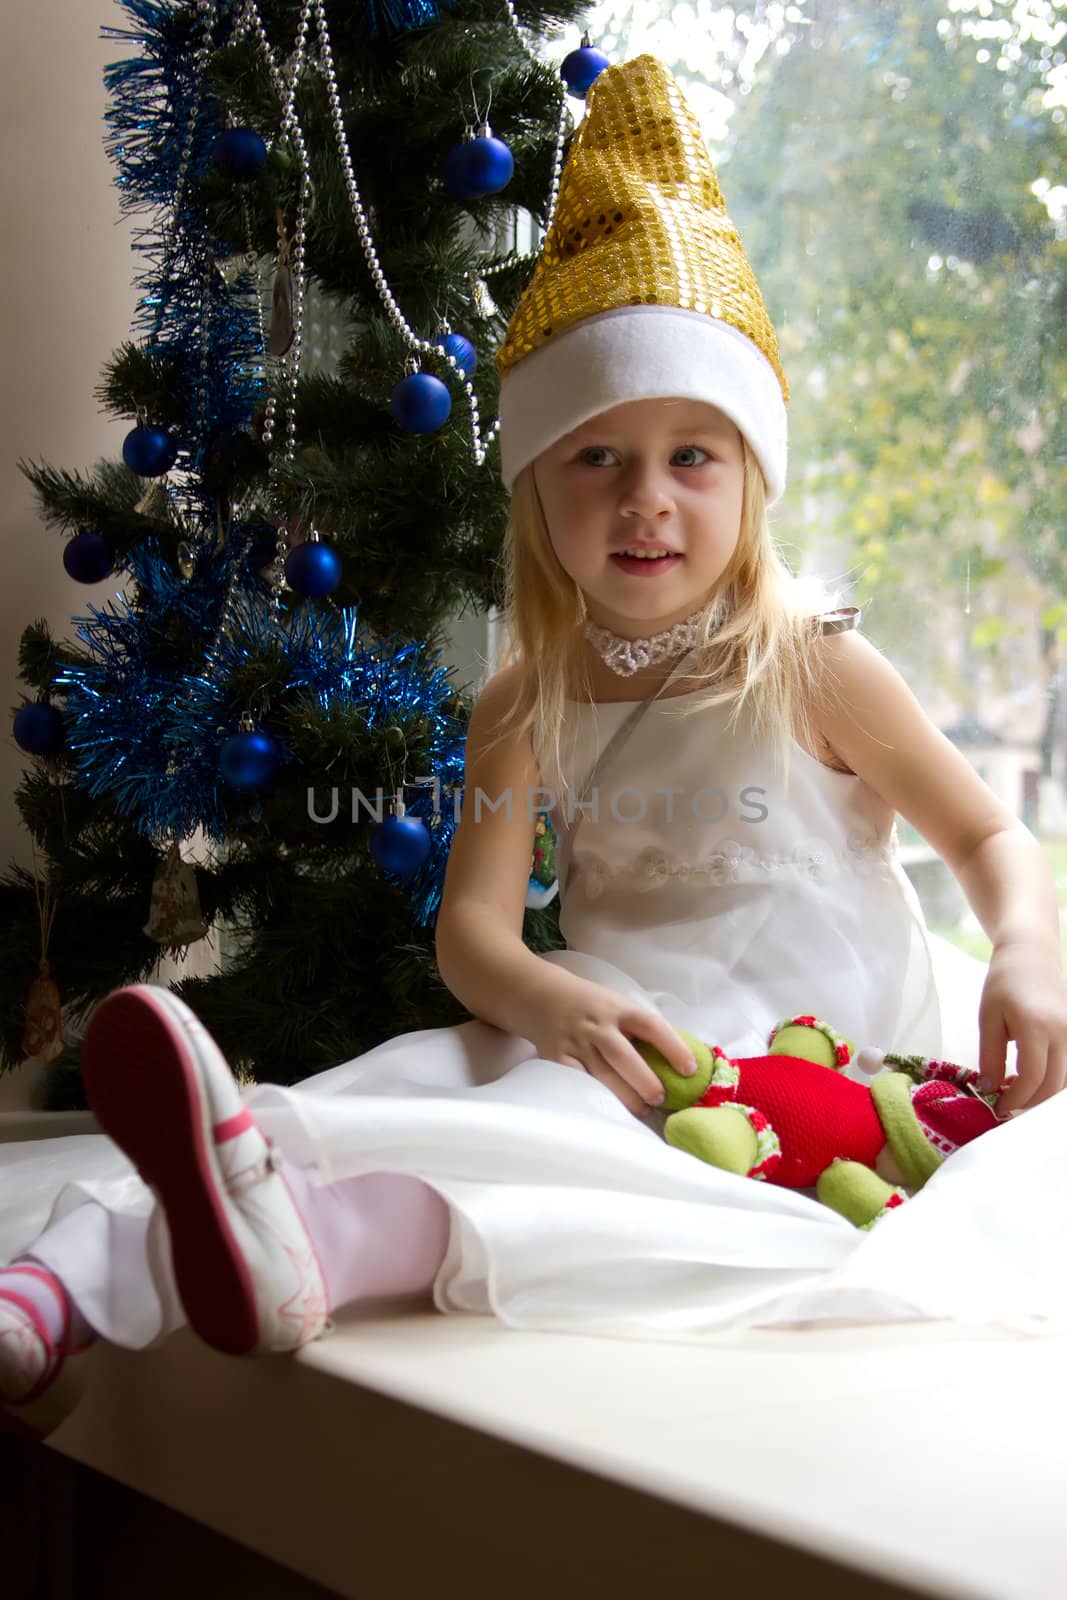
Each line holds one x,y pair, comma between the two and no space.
581,69
478,167
150,452
313,569
87,557
38,729
462,351
421,403
248,760
400,845
453,172
240,152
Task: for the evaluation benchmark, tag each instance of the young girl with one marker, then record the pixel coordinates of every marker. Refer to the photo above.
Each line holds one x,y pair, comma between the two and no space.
723,756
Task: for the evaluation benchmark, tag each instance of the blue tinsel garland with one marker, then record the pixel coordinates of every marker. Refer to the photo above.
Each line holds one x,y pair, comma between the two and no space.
149,734
184,297
148,713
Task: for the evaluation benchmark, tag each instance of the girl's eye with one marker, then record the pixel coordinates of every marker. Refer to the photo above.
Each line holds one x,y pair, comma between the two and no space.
599,451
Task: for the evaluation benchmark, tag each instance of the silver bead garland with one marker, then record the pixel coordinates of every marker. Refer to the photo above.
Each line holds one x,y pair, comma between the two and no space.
285,84
249,18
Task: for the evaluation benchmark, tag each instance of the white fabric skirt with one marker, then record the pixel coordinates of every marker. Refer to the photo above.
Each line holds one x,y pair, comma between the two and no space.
570,1214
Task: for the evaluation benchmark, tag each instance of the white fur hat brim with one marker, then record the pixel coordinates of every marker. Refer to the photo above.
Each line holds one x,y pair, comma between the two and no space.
642,353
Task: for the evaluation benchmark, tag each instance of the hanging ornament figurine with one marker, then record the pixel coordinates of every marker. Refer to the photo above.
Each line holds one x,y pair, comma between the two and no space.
42,1036
544,883
174,917
282,319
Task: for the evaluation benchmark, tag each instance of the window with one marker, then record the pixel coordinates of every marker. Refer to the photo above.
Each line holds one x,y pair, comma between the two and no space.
896,175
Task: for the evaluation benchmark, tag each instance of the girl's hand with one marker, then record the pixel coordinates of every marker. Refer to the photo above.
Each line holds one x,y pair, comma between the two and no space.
1025,999
589,1027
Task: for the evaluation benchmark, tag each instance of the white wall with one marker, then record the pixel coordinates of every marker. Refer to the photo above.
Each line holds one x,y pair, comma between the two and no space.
68,302
68,267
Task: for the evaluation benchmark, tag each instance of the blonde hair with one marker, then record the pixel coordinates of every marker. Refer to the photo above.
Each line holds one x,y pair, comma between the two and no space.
756,645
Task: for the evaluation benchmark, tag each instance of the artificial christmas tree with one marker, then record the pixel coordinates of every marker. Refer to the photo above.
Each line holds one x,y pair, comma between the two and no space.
253,731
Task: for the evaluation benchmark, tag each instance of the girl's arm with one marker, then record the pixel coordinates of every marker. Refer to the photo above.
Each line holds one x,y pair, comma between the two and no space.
480,951
878,727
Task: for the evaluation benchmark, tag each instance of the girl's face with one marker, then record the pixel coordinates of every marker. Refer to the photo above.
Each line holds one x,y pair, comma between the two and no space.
665,473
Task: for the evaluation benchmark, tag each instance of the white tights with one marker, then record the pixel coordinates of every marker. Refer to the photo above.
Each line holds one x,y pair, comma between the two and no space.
380,1234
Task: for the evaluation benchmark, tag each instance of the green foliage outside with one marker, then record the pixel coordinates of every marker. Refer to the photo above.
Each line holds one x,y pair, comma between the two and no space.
887,182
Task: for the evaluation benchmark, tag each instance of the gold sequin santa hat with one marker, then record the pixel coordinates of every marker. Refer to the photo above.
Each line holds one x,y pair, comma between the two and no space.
642,290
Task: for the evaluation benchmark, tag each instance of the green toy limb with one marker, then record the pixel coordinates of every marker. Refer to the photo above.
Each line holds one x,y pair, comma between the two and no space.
857,1193
813,1039
680,1092
915,1156
723,1137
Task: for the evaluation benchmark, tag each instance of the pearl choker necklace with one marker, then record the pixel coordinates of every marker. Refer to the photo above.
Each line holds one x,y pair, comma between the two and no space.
627,656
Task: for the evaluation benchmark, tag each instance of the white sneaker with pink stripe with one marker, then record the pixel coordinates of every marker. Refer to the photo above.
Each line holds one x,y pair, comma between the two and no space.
246,1269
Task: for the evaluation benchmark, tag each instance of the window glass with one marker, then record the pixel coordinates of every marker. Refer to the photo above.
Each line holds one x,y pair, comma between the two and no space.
897,176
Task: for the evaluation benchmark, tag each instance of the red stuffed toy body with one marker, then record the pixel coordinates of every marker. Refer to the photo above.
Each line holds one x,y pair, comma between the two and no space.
796,1121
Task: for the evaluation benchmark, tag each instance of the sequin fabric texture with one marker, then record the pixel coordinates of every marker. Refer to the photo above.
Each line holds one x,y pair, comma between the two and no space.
640,220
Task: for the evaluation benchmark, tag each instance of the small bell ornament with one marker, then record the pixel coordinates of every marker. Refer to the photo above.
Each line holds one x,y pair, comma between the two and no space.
482,301
155,500
174,917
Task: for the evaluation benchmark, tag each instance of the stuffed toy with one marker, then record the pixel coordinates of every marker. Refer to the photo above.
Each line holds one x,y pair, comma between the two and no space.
793,1118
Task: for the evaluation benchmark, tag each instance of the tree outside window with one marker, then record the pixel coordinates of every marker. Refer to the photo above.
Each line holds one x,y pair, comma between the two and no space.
897,175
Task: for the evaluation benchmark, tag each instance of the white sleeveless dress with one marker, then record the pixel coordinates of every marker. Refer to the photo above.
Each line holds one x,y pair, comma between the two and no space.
731,902
725,913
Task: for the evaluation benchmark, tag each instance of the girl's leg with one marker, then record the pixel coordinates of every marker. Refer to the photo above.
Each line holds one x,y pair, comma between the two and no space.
380,1234
87,1274
39,1327
259,1255
252,1252
97,1272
